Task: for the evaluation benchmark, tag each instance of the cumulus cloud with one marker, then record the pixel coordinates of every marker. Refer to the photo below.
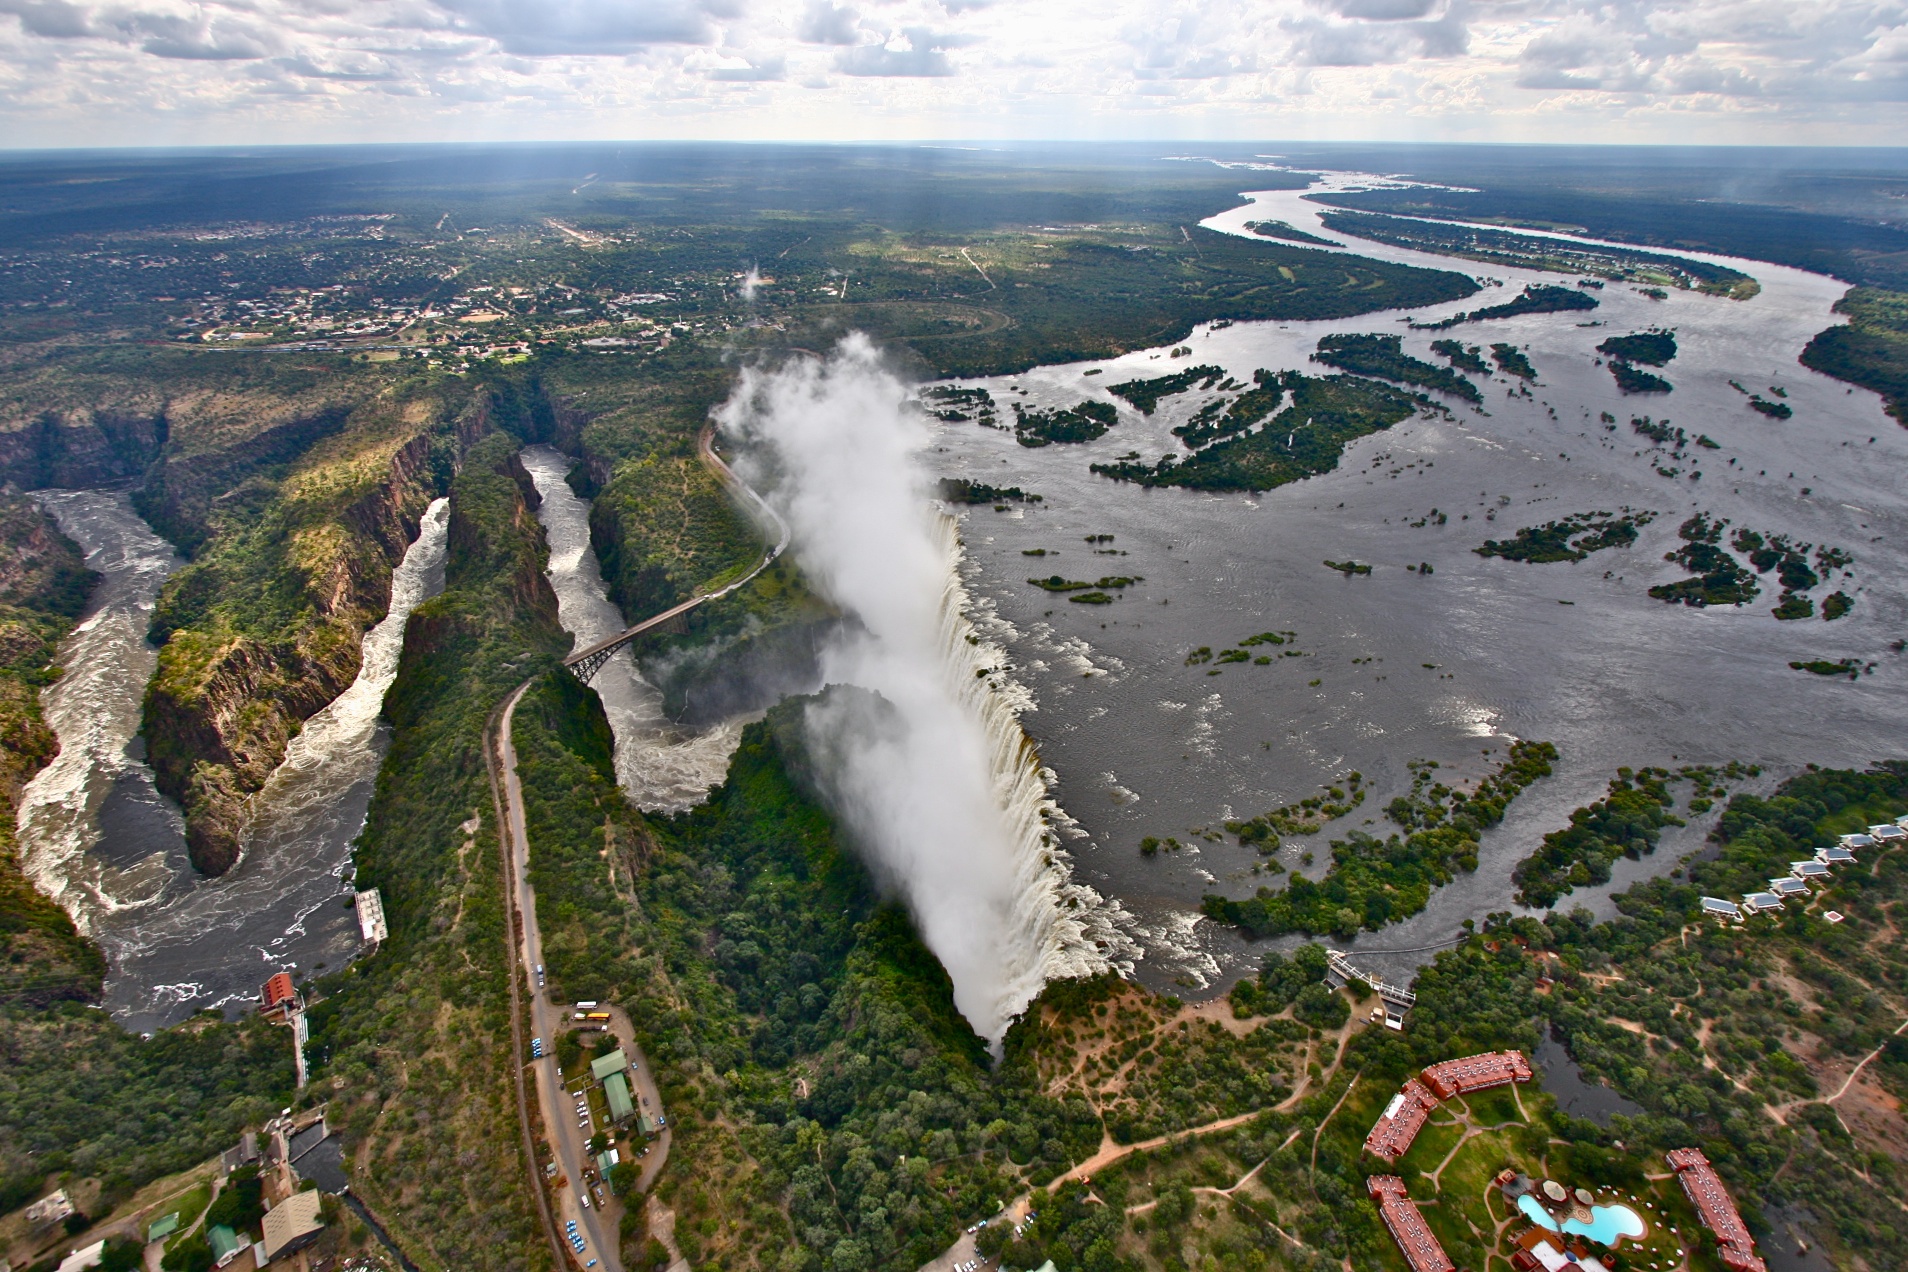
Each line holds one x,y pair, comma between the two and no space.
745,72
914,52
936,67
825,23
545,28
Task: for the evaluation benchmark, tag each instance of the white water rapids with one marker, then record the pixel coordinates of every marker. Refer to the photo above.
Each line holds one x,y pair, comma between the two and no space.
661,767
103,843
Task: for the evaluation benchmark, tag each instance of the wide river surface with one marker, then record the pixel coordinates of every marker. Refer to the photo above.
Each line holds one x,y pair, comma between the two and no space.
1401,665
100,839
1398,665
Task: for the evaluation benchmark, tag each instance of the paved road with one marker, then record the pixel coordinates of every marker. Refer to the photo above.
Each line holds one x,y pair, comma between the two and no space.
566,1139
568,1142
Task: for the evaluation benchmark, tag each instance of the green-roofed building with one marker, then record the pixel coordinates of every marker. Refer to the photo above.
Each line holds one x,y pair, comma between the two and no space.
616,1091
162,1227
644,1126
603,1066
226,1245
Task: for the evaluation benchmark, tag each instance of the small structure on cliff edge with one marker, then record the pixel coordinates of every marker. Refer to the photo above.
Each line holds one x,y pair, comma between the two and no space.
371,924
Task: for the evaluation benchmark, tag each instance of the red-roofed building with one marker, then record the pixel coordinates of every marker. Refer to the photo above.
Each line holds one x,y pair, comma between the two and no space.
1476,1073
1400,1213
278,992
1718,1212
1399,1124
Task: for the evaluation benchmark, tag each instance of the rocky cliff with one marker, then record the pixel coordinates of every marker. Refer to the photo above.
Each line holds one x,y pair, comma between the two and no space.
265,629
43,587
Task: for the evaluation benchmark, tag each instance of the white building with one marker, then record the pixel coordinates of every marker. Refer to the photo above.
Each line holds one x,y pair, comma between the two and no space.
370,916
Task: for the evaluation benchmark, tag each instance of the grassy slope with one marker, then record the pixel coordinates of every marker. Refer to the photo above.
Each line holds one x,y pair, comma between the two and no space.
77,1093
416,1035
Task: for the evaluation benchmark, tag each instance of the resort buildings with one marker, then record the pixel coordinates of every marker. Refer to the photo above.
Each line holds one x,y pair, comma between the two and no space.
1400,1213
1717,1211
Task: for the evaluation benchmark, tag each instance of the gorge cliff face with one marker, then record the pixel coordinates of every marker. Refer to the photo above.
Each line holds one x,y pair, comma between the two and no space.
43,587
265,628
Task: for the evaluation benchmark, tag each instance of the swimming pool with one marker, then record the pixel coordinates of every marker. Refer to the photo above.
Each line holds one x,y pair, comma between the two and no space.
1607,1223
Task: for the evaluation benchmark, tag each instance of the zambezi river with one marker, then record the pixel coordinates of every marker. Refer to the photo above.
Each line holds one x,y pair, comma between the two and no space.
103,842
1400,665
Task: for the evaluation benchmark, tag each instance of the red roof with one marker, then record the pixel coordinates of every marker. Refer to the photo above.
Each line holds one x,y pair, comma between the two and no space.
1395,1207
1718,1212
1399,1124
278,990
1476,1073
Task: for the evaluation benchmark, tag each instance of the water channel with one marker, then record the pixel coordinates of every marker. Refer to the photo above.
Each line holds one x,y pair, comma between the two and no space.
661,767
101,840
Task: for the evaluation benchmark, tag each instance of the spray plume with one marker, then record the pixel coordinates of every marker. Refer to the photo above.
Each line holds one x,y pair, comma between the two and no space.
930,772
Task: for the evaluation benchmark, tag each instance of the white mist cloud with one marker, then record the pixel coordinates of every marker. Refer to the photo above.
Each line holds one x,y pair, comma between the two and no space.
915,775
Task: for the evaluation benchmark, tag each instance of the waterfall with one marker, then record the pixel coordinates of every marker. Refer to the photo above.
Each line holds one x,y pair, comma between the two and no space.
929,772
1063,927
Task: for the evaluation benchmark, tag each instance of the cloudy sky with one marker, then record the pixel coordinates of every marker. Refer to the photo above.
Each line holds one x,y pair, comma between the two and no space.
148,72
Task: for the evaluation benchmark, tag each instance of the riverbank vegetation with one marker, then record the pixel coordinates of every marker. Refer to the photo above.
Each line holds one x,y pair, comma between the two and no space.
1384,357
1304,817
1536,298
1286,231
1371,881
1224,417
961,490
1307,437
1511,250
1569,538
1512,361
1871,349
1147,394
1463,357
1716,577
1624,823
1086,422
1654,347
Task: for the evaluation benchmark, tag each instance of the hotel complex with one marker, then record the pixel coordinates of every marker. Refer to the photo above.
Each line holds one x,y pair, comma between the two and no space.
1400,1213
1718,1212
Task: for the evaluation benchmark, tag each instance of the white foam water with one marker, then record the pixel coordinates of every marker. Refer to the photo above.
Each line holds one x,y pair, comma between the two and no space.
1064,927
101,841
662,768
94,710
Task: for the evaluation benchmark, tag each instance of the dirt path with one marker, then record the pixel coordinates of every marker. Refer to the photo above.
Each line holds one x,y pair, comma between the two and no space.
1862,1064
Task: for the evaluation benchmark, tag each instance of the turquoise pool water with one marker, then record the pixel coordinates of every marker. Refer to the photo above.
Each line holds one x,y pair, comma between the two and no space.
1607,1223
